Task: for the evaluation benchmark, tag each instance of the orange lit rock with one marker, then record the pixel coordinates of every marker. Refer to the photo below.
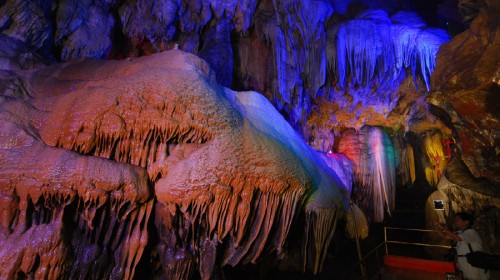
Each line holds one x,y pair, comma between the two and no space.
88,149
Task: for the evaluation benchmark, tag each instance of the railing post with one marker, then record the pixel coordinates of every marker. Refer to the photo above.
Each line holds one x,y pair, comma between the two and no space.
378,264
358,247
385,241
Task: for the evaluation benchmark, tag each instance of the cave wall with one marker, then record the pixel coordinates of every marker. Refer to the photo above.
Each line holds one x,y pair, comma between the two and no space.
465,95
466,88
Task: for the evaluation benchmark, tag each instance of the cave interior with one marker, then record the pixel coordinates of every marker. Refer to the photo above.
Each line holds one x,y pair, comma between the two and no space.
251,139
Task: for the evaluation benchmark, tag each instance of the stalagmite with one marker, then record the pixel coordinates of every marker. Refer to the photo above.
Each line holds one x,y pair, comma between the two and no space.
356,223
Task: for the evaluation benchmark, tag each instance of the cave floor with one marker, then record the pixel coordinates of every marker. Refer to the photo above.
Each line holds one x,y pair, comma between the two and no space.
406,274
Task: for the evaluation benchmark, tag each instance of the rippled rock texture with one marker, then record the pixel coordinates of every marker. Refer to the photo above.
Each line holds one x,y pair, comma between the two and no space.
467,93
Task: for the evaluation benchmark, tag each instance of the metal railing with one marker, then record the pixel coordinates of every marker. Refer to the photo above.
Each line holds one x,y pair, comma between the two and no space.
375,251
410,243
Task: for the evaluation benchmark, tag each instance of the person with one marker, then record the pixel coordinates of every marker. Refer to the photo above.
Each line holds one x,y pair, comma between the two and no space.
464,236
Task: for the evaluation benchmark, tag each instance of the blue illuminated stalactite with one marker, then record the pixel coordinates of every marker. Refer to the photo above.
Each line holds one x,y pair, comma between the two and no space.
364,59
371,49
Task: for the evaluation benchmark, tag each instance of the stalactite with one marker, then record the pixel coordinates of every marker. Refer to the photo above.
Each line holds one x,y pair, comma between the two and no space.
372,46
15,55
406,166
46,244
218,52
358,47
141,19
410,19
44,208
298,77
319,230
29,22
326,184
83,29
384,173
403,41
427,45
245,10
462,199
302,38
242,232
342,166
374,159
200,27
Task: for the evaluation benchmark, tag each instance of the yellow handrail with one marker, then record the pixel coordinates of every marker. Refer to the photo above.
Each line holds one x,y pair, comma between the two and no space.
410,243
411,229
420,244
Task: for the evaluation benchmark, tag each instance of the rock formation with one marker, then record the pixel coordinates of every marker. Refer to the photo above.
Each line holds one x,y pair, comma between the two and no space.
374,159
467,88
90,149
466,96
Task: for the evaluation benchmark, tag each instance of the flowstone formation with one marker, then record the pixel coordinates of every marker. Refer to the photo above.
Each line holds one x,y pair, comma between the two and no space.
106,166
